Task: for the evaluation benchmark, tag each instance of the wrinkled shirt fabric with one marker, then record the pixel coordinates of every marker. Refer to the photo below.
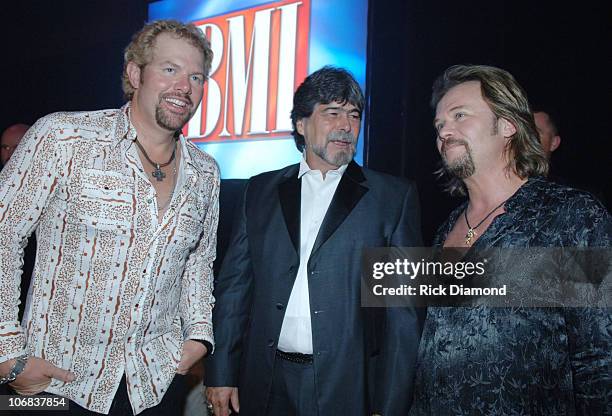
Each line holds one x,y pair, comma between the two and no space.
115,290
522,361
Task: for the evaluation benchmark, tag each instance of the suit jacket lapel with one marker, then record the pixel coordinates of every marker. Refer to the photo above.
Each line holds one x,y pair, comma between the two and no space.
290,197
351,189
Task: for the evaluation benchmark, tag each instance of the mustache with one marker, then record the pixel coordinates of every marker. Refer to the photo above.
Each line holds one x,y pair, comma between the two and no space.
453,142
341,136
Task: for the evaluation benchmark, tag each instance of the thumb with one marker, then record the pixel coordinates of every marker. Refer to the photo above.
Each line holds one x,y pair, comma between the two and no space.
59,374
234,400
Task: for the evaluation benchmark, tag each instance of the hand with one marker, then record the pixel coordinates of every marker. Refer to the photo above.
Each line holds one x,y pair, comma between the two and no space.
37,375
193,351
220,398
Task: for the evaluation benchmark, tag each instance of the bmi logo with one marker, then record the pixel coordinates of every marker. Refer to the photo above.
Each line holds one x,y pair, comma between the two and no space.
260,57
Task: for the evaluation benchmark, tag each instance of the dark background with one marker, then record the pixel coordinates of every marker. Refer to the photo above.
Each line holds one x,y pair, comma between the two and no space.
67,55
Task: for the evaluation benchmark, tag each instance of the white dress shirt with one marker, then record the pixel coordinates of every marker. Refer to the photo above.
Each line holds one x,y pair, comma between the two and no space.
316,195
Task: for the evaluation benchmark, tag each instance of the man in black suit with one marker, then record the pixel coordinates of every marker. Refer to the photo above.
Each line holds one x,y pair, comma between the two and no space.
291,335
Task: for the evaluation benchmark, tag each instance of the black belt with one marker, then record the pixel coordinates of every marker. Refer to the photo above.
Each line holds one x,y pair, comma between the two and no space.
294,357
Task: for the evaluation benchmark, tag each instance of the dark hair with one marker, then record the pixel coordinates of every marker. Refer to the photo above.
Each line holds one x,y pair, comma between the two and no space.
553,117
507,100
328,84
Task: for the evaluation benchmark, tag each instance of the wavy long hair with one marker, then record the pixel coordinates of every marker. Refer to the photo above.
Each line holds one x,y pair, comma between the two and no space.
507,100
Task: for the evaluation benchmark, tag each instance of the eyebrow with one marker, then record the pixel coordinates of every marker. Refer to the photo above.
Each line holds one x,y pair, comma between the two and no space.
339,107
450,110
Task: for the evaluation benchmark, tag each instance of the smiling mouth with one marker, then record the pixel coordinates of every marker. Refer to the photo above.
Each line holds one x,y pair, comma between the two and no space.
176,103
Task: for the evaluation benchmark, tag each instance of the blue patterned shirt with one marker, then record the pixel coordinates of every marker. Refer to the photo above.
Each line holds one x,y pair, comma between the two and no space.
522,361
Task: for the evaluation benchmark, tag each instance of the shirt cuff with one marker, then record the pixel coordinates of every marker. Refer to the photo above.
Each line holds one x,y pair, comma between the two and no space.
207,344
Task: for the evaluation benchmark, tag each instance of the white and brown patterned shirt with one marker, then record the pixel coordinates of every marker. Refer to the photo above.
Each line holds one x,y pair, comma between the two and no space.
114,290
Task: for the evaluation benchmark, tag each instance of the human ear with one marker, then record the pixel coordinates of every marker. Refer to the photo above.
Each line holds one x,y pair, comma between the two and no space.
134,74
299,126
508,129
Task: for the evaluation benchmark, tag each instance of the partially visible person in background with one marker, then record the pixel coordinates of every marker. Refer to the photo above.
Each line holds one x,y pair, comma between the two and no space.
10,139
548,129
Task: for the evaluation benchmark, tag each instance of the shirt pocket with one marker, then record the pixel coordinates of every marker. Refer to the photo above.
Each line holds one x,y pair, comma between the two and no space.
106,201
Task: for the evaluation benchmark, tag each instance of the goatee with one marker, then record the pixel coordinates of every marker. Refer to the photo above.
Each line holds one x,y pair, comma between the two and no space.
463,166
341,157
170,121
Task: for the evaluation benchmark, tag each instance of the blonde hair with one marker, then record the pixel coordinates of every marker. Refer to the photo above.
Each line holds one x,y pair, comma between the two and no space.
507,100
140,49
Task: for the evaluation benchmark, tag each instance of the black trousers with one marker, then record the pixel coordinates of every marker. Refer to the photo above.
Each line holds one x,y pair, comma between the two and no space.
172,404
293,390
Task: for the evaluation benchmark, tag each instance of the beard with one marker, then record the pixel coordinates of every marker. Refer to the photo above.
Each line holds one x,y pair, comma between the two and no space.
462,166
342,156
171,121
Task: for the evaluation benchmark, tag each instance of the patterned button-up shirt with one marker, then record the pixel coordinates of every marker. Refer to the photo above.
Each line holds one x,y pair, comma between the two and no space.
522,361
115,291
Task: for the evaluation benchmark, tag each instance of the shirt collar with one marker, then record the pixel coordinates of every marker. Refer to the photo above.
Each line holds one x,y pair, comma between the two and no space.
123,126
304,169
524,194
187,156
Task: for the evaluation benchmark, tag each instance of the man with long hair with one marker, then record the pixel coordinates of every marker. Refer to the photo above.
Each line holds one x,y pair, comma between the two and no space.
514,360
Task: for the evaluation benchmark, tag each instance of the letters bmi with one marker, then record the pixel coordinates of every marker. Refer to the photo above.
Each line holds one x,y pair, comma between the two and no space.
260,56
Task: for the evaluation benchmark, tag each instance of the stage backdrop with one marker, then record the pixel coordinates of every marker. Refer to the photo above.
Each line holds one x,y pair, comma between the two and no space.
262,51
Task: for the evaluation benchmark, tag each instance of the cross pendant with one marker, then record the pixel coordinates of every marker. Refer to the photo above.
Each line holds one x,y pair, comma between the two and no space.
468,237
158,174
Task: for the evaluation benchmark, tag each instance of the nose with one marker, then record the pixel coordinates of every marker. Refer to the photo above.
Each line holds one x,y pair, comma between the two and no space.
344,122
445,132
183,85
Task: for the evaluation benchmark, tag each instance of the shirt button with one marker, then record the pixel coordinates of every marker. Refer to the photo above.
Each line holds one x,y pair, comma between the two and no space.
270,343
149,201
280,306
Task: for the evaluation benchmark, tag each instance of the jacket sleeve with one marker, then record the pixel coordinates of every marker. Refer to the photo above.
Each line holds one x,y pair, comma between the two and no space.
233,299
400,327
26,184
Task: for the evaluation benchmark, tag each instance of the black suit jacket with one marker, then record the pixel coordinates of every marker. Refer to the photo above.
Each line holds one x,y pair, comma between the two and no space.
364,358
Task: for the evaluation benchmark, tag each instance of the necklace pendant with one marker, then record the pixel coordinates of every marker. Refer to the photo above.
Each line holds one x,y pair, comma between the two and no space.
158,174
469,235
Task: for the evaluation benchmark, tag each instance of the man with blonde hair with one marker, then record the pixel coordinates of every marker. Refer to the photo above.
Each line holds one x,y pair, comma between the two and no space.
511,360
125,211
